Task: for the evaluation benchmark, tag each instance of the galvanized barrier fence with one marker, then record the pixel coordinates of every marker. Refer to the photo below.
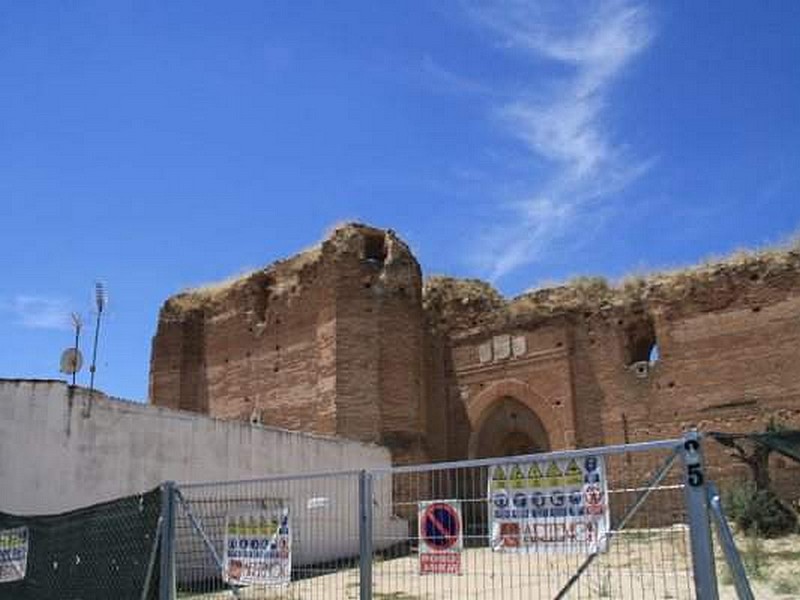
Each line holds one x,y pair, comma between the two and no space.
543,545
623,522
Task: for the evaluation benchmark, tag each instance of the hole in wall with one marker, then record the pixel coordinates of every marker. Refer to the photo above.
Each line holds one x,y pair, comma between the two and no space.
640,343
374,250
655,354
756,309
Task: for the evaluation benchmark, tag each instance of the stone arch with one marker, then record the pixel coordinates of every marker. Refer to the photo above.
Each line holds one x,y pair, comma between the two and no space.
552,434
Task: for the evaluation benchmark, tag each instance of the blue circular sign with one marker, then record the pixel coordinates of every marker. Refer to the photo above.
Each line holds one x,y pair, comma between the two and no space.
441,526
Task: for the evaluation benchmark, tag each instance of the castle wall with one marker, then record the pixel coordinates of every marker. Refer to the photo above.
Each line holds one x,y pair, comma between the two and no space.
727,354
258,352
344,340
330,342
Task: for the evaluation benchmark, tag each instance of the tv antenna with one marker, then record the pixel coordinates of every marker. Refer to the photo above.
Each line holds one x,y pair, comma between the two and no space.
71,358
101,299
71,362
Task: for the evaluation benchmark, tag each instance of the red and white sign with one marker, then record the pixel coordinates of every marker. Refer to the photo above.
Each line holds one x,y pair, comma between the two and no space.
440,537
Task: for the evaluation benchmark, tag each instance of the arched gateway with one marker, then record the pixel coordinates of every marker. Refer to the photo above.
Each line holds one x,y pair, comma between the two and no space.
509,418
509,428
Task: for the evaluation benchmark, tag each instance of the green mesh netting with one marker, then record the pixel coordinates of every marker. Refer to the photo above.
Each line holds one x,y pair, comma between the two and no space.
100,552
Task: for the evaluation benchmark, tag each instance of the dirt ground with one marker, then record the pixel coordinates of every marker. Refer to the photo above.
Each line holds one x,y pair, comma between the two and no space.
641,564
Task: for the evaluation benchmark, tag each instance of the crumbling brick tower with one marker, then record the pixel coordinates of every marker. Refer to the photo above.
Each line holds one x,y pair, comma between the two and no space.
329,341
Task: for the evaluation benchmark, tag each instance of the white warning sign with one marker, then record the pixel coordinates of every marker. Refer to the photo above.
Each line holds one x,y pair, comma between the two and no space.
13,554
258,548
549,506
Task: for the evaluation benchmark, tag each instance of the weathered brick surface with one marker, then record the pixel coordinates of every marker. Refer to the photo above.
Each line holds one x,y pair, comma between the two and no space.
343,340
330,342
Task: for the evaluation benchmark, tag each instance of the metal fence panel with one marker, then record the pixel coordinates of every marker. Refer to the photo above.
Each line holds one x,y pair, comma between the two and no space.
618,522
623,522
650,557
323,525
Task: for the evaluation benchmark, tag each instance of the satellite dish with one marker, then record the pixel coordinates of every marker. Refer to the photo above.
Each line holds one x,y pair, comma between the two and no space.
71,361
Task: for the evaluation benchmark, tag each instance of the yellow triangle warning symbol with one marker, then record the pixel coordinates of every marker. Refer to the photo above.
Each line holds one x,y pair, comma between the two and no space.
554,474
498,479
535,477
516,478
573,474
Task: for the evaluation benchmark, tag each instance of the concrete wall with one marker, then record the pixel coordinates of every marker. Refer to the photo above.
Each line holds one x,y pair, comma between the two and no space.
58,453
53,458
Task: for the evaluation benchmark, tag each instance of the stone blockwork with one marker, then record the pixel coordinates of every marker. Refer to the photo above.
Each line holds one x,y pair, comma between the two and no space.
344,340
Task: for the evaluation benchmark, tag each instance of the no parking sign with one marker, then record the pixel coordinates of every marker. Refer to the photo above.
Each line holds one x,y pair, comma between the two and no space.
440,537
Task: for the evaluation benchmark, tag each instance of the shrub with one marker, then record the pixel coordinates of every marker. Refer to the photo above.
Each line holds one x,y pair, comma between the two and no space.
760,512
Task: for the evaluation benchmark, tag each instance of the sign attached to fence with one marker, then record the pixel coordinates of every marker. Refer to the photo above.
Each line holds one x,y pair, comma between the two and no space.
13,554
440,537
258,548
550,506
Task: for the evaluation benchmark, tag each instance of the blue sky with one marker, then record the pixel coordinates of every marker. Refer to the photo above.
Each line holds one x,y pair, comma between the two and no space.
161,145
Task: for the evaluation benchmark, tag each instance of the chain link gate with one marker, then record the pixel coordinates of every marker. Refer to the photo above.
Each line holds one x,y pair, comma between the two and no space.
634,524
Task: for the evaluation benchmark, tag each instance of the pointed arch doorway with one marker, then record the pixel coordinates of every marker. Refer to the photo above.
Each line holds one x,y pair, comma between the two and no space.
508,428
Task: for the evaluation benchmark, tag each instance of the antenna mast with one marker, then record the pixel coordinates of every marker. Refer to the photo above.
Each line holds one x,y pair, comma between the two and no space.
100,300
77,323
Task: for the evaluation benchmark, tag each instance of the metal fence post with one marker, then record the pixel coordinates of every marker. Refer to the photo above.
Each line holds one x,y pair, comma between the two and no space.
728,544
167,567
365,481
705,575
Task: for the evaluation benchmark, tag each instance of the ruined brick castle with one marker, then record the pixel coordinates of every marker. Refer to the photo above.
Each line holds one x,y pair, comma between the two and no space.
346,339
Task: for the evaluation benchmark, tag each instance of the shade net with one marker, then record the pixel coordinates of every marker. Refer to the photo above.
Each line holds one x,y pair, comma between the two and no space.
786,443
93,553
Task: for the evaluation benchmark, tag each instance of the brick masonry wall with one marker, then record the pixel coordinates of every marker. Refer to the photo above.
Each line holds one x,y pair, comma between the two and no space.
330,342
728,362
342,340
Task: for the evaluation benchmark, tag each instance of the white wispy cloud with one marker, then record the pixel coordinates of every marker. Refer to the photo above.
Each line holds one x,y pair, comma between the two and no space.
38,312
563,123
